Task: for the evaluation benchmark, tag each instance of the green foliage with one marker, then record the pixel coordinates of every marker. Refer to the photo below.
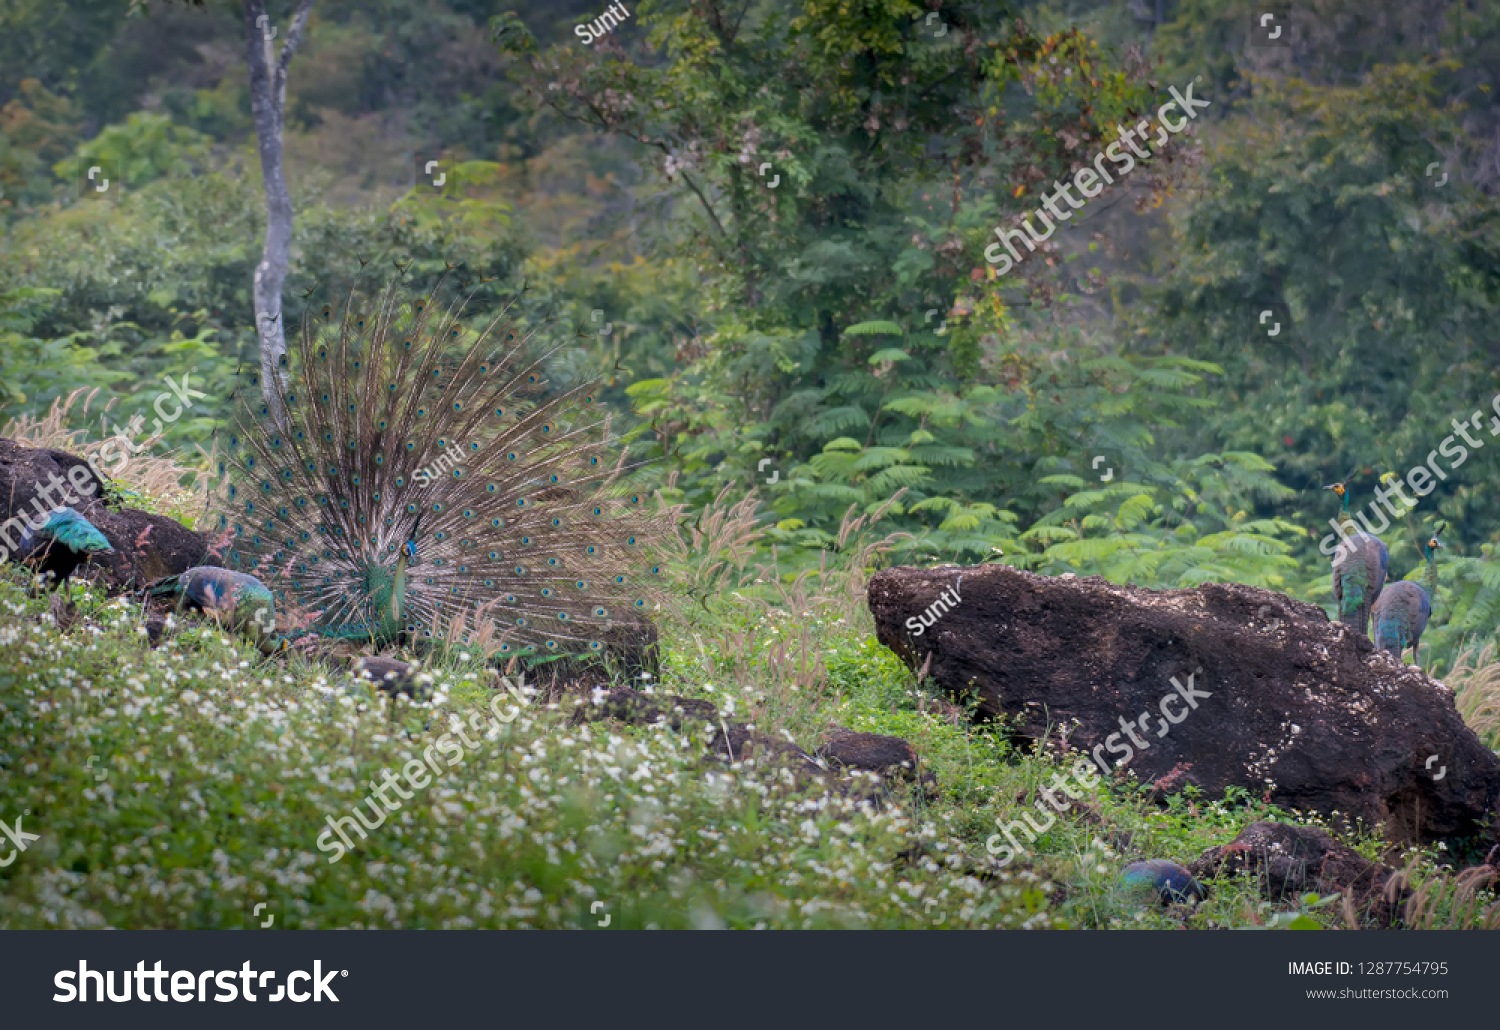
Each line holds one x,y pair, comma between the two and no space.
145,147
34,370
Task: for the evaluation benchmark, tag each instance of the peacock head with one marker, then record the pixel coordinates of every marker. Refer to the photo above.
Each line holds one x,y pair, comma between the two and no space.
1337,488
1433,543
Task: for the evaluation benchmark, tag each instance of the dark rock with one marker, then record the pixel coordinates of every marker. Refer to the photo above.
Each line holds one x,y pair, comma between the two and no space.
23,470
156,627
147,548
638,709
1278,692
891,757
1292,860
743,743
1167,880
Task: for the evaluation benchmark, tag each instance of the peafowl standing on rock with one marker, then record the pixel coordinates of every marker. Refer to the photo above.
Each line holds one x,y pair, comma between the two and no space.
1402,611
241,601
63,543
428,483
1359,567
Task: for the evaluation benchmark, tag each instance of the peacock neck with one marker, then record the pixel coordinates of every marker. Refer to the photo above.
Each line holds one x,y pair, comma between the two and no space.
1429,575
1345,519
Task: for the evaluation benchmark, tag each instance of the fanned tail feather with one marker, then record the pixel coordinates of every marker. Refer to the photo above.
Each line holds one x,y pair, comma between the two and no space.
408,428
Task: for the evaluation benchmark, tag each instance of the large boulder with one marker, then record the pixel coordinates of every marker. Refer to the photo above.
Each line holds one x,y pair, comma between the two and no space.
147,547
1258,691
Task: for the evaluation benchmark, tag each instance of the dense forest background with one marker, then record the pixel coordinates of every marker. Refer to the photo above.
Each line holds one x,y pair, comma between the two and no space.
843,323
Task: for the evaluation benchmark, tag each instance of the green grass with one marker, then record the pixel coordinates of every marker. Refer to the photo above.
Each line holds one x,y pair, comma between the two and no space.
220,766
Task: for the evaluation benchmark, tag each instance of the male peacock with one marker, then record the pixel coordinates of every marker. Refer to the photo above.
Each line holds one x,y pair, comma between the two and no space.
1402,612
1359,567
523,542
241,601
63,543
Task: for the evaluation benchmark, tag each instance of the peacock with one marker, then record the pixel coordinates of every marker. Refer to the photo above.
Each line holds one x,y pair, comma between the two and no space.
239,600
428,483
1359,568
63,543
1402,611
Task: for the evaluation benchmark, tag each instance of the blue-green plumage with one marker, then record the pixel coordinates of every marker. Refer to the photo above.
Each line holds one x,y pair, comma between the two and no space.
1402,612
1168,880
1359,568
241,600
63,543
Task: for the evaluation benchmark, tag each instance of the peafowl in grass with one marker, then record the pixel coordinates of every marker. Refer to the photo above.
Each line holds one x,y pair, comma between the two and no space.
63,543
1402,611
241,601
1164,879
1359,567
428,483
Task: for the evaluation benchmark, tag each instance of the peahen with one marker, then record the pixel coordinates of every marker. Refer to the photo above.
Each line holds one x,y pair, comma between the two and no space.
239,600
1164,879
1359,567
1402,611
63,543
428,483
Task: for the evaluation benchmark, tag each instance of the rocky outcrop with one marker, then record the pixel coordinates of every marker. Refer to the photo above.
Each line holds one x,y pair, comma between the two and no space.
1225,685
892,758
38,479
1288,861
147,548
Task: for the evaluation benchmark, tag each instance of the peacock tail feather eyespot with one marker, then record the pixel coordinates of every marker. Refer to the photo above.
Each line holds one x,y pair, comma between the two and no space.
619,579
546,591
437,506
526,540
411,509
512,456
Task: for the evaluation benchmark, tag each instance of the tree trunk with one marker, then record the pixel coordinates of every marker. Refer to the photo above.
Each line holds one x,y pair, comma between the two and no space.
268,107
